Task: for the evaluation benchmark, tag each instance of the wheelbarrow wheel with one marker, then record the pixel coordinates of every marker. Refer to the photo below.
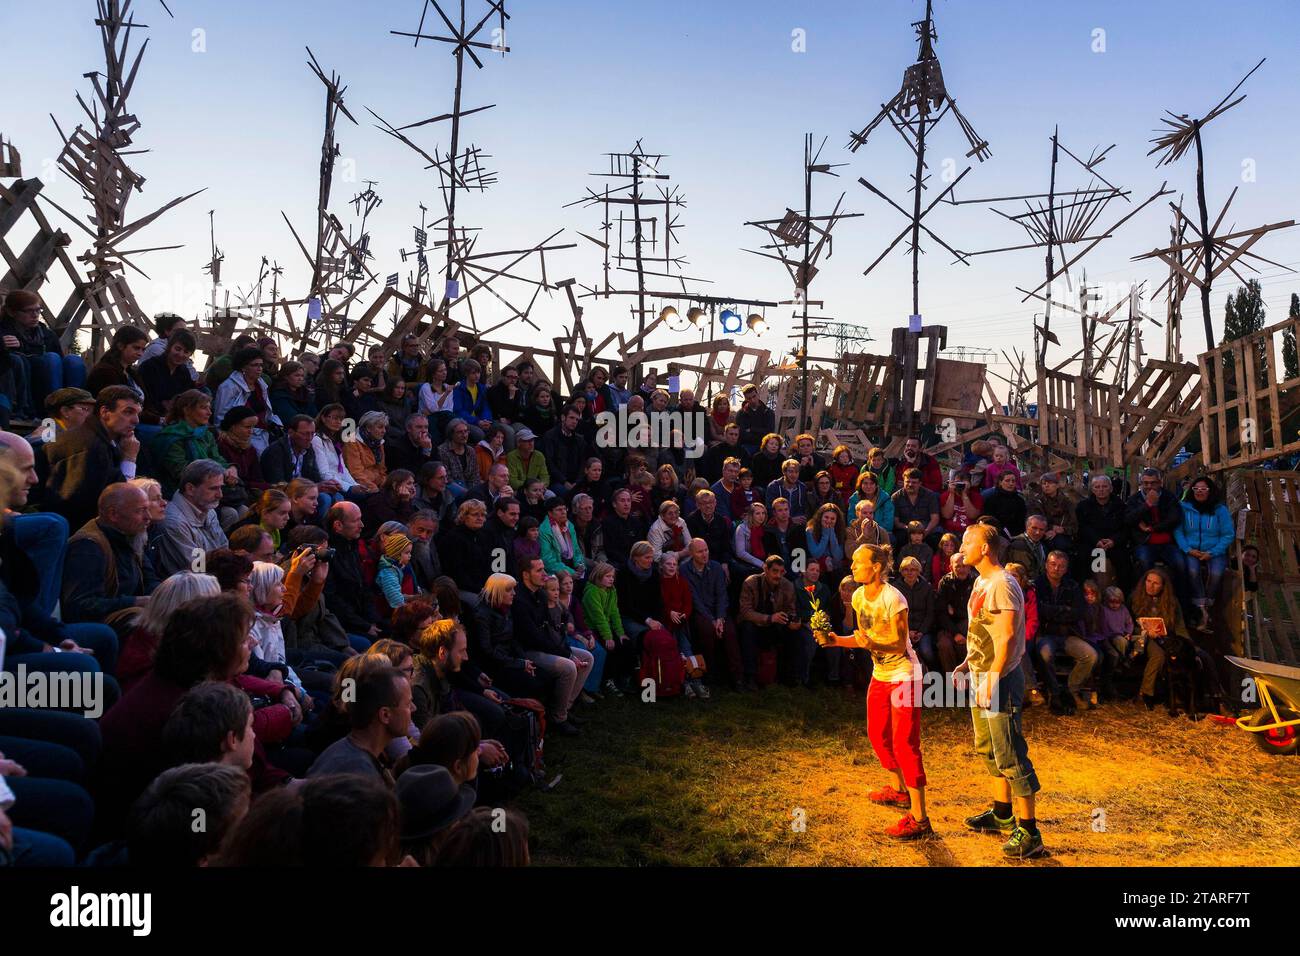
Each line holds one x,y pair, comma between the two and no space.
1282,741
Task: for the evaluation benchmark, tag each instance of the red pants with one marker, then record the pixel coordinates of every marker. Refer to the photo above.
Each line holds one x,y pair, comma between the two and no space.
894,726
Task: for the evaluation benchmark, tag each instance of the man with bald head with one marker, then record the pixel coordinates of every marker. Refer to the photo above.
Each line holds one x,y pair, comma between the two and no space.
41,536
346,594
102,572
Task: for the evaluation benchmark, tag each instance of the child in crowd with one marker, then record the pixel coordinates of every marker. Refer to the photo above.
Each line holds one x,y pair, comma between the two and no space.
916,546
1093,634
677,604
1002,463
600,609
747,493
942,560
393,568
844,473
1122,642
1032,694
528,544
560,619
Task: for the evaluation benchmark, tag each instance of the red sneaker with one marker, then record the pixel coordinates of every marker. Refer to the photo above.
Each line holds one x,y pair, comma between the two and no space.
909,828
890,797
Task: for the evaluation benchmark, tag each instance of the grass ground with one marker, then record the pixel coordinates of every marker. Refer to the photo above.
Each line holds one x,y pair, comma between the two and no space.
724,782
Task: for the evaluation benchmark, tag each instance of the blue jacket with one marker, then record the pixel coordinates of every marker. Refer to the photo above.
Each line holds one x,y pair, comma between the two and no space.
1211,532
462,406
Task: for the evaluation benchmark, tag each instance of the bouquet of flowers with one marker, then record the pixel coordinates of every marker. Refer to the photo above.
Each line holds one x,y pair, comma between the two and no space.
820,622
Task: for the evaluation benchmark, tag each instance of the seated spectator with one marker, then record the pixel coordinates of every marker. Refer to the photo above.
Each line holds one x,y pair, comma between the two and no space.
493,488
548,648
810,463
294,456
220,367
477,841
86,460
165,376
755,419
434,494
378,711
951,613
30,342
844,474
711,463
825,534
886,474
821,491
245,389
103,572
1152,516
913,502
432,802
669,532
460,459
435,396
768,461
921,602
413,448
191,527
1102,545
600,610
582,510
566,452
363,395
767,622
253,541
331,383
289,394
499,651
393,404
211,724
306,504
960,504
365,456
312,634
1059,510
395,570
205,639
118,366
394,502
942,559
928,466
345,592
1006,506
469,400
465,549
186,437
490,451
789,487
561,550
731,501
233,571
235,441
1027,549
916,546
1154,599
812,594
41,537
329,446
270,513
329,821
999,466
140,645
707,521
713,632
65,409
1060,630
870,488
1204,536
540,414
783,536
865,529
1018,571
161,833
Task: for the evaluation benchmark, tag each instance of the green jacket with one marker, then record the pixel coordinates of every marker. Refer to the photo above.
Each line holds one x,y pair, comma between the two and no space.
519,474
600,610
176,446
551,557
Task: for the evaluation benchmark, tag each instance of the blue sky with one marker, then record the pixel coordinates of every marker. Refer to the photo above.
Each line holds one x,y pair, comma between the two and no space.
716,86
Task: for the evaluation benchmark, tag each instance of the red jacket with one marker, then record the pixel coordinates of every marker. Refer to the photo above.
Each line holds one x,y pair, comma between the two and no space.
844,479
1031,614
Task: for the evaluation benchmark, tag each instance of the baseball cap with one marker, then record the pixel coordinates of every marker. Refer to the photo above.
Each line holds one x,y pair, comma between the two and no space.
525,434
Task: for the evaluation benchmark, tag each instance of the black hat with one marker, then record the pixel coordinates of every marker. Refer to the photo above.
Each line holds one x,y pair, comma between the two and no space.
236,415
431,800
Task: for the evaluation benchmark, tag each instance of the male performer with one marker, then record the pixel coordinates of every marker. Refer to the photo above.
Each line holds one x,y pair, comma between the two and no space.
893,704
995,643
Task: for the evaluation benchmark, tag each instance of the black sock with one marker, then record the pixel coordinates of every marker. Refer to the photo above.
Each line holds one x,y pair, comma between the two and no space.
1001,810
1030,824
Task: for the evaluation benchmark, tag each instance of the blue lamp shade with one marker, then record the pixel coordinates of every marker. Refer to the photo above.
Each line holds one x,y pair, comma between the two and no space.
313,310
731,322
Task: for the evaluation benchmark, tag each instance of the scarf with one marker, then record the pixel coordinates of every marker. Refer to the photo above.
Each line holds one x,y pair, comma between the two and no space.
676,541
638,573
563,540
376,446
756,541
234,443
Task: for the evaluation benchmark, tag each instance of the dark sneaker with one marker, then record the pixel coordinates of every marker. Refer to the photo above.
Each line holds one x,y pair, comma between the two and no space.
1069,703
1023,844
990,822
888,796
909,828
565,727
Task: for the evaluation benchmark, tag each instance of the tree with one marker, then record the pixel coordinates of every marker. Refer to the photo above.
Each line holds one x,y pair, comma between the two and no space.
1290,359
1243,315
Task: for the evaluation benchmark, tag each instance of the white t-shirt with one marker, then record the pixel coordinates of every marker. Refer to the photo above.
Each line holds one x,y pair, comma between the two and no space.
877,616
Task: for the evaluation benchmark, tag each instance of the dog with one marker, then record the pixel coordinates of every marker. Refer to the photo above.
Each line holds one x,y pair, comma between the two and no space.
1187,670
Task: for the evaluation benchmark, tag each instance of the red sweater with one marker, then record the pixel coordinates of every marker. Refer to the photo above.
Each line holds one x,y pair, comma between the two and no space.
844,479
676,594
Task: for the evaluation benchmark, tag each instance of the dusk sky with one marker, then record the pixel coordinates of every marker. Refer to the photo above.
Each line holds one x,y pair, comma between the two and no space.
718,87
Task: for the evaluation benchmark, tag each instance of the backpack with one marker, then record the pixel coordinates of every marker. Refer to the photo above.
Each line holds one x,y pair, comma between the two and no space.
526,719
766,675
662,663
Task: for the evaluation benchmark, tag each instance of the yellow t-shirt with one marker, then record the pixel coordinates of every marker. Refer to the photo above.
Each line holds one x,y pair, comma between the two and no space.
877,617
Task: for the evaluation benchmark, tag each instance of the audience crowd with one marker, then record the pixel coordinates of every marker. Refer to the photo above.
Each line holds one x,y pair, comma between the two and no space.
340,605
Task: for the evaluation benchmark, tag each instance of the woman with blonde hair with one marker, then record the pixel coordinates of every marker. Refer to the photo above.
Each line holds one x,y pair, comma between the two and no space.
136,657
893,708
499,651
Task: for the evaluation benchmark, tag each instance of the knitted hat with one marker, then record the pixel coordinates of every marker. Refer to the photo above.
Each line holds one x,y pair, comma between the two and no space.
395,544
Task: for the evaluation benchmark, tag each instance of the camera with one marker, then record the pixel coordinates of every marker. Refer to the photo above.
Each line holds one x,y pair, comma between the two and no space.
325,555
959,485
